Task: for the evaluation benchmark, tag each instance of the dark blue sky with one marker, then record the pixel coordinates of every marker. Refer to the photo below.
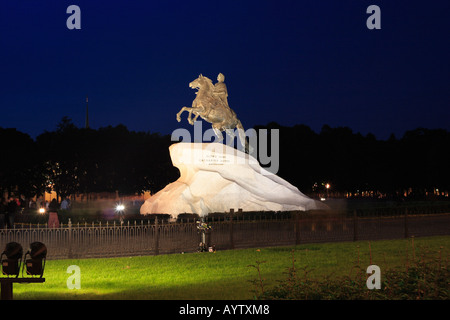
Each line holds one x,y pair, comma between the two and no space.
293,62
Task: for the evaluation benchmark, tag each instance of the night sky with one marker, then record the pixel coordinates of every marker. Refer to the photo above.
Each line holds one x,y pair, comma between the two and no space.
292,62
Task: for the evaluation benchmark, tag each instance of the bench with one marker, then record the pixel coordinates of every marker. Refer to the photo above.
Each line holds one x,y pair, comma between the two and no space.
7,285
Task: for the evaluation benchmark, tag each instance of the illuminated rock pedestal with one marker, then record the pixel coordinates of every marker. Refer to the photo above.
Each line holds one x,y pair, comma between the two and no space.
216,178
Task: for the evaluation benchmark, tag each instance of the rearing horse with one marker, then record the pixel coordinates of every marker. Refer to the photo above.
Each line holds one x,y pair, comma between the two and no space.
214,111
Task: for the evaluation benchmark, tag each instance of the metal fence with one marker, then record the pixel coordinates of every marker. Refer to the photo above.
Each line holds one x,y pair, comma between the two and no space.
151,237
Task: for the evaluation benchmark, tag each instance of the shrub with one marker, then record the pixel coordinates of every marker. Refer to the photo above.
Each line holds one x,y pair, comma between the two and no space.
427,278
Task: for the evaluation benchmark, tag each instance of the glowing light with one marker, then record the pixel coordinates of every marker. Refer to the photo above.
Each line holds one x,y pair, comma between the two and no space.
41,210
327,186
120,207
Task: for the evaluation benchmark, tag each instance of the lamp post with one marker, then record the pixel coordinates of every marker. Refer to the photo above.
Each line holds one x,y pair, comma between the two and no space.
120,208
327,186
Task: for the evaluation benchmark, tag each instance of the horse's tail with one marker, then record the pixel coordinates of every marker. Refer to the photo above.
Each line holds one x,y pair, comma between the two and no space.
242,137
239,125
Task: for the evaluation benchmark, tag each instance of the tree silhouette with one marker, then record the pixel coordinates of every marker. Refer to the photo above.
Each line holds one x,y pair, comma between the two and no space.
351,161
73,160
17,163
109,159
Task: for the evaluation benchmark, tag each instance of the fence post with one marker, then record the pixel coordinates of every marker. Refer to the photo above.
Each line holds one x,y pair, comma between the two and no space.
70,254
355,226
297,227
231,228
156,252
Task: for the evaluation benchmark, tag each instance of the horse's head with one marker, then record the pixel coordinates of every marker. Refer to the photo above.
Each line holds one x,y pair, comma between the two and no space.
201,83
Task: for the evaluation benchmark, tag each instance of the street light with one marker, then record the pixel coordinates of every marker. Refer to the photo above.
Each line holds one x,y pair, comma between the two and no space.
327,186
120,207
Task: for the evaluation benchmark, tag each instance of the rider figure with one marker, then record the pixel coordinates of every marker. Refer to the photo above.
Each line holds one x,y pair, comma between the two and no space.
220,95
220,90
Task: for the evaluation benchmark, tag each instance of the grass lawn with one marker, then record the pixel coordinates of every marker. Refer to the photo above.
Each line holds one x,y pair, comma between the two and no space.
224,275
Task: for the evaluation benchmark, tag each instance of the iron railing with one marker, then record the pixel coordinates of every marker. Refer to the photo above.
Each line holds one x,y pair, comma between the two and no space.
151,237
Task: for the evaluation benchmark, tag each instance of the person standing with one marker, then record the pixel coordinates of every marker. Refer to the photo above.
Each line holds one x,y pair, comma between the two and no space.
11,209
65,204
53,221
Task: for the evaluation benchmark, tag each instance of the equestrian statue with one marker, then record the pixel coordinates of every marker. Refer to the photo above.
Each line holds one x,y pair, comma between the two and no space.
211,104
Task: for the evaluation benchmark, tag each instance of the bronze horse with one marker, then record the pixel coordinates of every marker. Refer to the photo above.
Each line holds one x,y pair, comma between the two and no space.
214,110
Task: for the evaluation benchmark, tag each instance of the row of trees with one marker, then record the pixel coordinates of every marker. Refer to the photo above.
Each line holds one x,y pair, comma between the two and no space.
418,162
73,160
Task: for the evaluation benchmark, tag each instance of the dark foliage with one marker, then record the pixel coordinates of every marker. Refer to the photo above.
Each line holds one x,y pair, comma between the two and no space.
76,160
73,160
351,161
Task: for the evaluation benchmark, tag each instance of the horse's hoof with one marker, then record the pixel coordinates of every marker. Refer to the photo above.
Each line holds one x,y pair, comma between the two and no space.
178,119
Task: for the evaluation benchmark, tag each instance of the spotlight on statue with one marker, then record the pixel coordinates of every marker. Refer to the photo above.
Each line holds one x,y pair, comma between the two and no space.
36,264
11,265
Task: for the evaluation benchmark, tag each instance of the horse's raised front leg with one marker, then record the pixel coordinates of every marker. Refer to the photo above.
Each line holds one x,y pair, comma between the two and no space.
195,118
189,118
181,111
196,111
